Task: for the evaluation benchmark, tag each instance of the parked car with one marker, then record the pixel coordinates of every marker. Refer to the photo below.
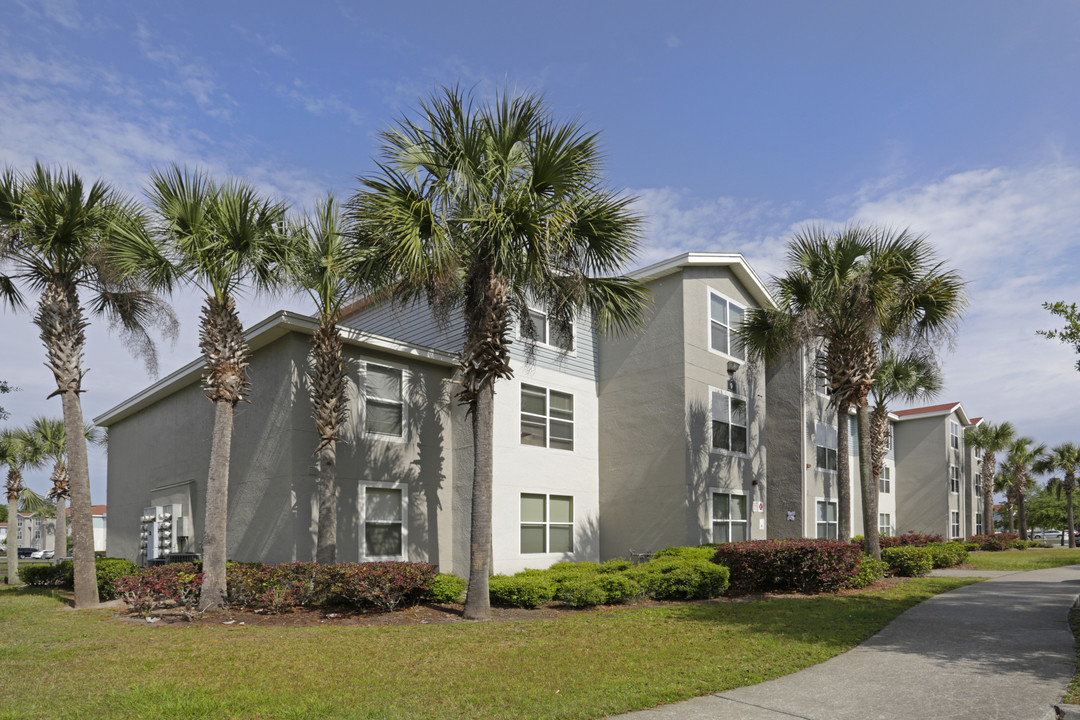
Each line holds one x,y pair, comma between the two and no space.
42,554
26,552
1049,535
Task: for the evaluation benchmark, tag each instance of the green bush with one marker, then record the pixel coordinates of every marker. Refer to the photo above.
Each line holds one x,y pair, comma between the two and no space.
908,560
564,572
948,554
526,591
599,589
108,571
681,578
618,565
618,588
971,546
869,572
43,575
447,588
705,552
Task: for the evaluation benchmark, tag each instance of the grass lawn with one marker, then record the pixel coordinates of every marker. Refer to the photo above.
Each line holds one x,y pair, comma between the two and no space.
67,664
1023,559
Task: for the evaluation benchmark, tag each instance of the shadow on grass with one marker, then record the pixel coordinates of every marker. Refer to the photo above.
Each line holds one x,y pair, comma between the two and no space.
61,598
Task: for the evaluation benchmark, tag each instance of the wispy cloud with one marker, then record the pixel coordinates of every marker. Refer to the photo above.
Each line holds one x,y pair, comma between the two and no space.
189,76
672,40
263,41
320,104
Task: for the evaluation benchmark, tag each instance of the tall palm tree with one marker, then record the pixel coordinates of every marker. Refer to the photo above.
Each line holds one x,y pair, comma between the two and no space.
1066,459
849,293
1023,453
1003,484
483,209
323,264
12,454
45,440
56,242
221,238
913,376
990,439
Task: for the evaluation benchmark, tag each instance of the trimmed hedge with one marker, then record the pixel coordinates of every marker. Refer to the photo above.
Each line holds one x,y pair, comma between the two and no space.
870,571
908,561
447,588
63,575
910,539
946,555
995,542
799,565
703,552
521,590
681,578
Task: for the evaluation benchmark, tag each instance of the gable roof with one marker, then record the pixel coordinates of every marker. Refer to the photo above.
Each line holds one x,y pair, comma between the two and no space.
734,261
260,335
933,410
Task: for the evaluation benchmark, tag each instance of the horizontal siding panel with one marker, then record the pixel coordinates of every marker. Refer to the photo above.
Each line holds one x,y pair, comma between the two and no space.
415,323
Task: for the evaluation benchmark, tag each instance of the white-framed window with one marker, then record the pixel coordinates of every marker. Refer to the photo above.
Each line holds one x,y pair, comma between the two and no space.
729,516
827,524
384,521
725,316
954,479
978,523
729,422
885,481
825,447
547,523
547,418
888,437
978,453
546,333
954,435
954,524
821,382
384,400
885,527
978,485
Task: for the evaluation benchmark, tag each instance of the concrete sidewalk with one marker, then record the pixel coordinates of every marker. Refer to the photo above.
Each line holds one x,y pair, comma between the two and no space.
999,649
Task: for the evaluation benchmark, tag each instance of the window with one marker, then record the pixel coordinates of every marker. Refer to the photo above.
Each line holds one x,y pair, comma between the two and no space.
547,523
825,439
547,418
384,521
978,523
889,437
954,524
724,317
384,404
954,435
821,385
885,481
826,519
885,524
954,479
728,517
978,486
728,422
978,453
545,332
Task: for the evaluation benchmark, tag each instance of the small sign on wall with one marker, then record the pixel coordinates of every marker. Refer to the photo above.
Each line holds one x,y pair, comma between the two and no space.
791,516
759,506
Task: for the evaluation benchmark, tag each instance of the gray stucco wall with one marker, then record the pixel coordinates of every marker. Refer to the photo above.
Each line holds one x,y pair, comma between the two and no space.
163,452
785,381
922,475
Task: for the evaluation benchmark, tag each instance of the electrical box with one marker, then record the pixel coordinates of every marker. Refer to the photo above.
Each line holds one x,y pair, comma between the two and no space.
150,533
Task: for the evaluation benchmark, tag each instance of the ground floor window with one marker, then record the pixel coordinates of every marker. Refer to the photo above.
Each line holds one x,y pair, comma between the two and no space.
954,524
978,523
728,517
384,526
826,519
547,523
885,527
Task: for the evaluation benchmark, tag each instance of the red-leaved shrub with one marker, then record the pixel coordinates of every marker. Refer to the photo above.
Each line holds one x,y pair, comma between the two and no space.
995,542
910,538
801,565
384,585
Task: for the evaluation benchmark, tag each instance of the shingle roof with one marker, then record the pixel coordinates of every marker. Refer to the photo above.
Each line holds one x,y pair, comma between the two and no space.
927,410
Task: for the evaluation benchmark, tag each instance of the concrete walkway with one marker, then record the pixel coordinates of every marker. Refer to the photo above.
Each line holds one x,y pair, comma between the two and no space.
999,649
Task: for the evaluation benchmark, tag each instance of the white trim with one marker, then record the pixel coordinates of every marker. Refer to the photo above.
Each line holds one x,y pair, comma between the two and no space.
362,500
730,395
709,292
547,525
548,418
831,501
572,352
733,261
362,391
728,491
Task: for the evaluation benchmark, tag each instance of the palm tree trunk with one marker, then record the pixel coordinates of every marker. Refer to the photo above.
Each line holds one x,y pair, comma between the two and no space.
326,547
213,592
1012,515
843,472
868,482
13,541
1021,515
988,492
1070,481
60,541
82,519
477,602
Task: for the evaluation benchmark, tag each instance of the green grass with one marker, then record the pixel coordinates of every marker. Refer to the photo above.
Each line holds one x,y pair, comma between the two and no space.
87,664
1023,559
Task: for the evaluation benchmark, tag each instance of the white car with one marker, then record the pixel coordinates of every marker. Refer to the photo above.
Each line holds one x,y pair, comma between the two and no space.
1049,535
43,554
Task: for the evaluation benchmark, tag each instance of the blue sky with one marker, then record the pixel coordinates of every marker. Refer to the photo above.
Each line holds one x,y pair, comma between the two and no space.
733,123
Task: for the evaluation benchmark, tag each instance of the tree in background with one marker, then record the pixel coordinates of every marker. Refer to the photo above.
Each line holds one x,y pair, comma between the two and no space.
1046,509
1063,458
990,439
1070,334
56,242
484,210
5,388
1023,453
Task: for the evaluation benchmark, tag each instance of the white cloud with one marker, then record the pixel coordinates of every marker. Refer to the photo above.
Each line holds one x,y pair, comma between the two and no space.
672,40
320,105
190,76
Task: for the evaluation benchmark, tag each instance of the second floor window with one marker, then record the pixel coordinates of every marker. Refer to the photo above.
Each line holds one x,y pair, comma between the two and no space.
728,423
547,418
978,485
954,435
825,447
546,333
885,481
954,479
383,400
724,318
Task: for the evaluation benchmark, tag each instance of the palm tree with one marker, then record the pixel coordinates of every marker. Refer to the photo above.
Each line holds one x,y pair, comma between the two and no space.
12,454
849,293
56,241
219,238
1023,453
323,264
990,439
45,439
482,210
1003,484
909,377
1066,459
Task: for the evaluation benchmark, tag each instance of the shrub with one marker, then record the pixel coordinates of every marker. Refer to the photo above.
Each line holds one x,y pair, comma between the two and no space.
149,589
910,539
971,546
563,572
447,588
800,565
946,555
908,561
701,553
869,572
994,543
42,575
618,588
618,565
384,585
526,591
681,578
582,592
109,570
